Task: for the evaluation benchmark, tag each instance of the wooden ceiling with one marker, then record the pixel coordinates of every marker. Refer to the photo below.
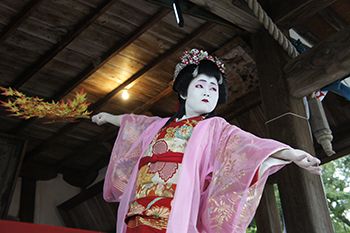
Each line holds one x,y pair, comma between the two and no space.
54,48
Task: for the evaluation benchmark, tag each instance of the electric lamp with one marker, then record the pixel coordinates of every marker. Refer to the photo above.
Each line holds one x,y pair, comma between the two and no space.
125,94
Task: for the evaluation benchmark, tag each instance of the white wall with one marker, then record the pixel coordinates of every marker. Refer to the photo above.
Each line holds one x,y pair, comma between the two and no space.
49,194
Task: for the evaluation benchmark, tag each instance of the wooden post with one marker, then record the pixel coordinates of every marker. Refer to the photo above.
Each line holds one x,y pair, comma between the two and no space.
302,195
27,202
267,217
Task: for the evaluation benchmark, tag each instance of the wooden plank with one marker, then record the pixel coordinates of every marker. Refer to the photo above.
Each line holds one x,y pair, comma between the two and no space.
267,217
27,201
333,18
323,32
239,106
225,9
302,194
306,33
154,100
286,13
196,34
110,54
23,15
325,63
12,151
342,8
28,73
20,43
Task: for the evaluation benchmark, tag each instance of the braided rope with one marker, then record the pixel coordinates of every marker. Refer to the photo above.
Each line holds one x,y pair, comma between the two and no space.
272,28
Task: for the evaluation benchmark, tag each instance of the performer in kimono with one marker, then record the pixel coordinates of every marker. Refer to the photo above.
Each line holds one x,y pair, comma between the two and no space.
192,172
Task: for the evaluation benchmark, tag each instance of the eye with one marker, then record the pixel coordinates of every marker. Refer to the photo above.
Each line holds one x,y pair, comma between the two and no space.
213,89
199,86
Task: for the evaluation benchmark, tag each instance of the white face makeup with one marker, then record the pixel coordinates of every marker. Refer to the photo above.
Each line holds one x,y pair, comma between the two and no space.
202,95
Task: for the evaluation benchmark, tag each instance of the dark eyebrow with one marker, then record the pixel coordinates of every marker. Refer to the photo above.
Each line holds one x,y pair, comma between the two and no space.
202,80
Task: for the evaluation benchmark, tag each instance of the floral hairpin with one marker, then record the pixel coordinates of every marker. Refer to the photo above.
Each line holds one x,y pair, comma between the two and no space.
194,56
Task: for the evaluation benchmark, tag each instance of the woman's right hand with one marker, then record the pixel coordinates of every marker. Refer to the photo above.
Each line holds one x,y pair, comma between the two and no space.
103,117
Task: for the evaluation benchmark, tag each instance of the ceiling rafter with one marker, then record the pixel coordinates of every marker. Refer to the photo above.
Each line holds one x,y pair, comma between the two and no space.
333,18
287,13
194,35
23,15
154,100
120,46
241,105
96,65
100,103
75,32
305,32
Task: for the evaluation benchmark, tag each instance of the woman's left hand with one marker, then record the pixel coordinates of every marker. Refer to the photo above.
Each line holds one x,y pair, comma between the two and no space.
300,158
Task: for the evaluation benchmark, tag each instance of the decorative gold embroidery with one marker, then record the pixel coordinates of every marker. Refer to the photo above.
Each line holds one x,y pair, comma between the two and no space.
170,132
156,189
144,177
158,223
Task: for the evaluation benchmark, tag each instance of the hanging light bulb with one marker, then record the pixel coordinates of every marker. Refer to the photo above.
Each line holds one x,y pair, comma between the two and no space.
125,94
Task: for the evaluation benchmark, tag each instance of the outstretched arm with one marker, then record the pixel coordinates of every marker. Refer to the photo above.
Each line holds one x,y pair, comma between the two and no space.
300,158
104,117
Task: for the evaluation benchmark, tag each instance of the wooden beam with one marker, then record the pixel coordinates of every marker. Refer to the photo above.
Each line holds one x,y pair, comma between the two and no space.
302,194
27,201
267,217
120,46
194,35
240,105
333,18
232,13
286,13
23,15
98,64
151,102
317,67
100,103
78,29
306,33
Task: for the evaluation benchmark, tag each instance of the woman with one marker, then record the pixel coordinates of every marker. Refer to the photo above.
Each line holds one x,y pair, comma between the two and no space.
193,172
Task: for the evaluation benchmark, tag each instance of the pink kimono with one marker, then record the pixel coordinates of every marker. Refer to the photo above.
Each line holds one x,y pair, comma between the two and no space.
218,152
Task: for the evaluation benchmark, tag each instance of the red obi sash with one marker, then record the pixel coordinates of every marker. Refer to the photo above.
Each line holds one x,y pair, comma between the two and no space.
175,157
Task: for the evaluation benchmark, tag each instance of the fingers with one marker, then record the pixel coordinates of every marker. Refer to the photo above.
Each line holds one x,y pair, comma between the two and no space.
99,119
308,162
315,170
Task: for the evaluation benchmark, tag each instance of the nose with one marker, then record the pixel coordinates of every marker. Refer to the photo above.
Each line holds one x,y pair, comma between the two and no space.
205,94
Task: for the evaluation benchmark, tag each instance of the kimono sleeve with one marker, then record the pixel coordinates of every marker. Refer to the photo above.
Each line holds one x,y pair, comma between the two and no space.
231,200
125,154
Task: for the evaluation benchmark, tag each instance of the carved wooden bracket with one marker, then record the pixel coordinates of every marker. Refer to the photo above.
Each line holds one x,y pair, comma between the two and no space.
323,64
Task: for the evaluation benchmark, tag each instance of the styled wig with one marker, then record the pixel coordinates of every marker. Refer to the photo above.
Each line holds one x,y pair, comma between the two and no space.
191,71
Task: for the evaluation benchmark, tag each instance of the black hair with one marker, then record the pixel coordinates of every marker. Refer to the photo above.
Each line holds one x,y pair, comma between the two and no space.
185,77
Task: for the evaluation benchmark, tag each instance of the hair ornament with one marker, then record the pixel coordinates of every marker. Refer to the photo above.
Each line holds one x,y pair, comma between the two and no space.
194,56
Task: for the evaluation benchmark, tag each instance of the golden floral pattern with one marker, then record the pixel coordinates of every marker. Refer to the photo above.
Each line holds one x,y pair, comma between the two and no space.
157,223
136,208
155,190
157,211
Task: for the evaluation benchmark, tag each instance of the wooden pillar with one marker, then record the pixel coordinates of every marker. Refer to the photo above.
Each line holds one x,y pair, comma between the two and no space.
267,217
27,202
302,194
